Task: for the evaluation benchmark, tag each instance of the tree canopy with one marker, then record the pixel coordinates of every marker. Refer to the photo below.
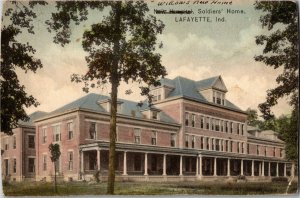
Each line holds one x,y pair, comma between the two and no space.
14,54
120,47
281,49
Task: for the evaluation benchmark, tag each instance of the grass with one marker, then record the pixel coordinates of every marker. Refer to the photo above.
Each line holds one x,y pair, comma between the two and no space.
147,188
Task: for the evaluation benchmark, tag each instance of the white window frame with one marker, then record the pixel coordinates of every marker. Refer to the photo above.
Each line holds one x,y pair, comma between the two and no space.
137,135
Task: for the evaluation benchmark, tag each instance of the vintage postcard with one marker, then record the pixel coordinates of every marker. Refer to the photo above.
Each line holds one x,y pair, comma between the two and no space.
153,97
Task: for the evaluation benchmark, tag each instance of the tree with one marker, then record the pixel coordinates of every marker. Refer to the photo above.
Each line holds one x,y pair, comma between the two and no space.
281,50
14,54
121,47
55,154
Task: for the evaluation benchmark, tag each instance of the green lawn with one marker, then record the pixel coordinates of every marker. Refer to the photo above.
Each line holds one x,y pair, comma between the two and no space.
146,188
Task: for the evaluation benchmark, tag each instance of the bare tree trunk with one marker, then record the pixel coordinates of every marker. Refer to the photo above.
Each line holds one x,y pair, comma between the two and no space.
55,187
114,79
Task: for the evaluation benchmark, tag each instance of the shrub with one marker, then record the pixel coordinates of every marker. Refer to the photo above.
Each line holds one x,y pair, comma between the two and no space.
241,177
279,179
97,176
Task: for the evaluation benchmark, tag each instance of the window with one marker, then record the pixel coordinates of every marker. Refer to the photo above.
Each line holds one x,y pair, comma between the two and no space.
173,139
154,115
137,136
212,144
231,127
212,124
238,147
266,151
56,132
31,143
257,150
202,123
238,128
31,166
222,125
201,142
280,152
193,141
226,127
193,120
187,141
119,106
230,146
44,162
218,98
242,147
70,157
207,143
153,138
44,135
274,152
15,166
156,95
186,119
226,145
248,148
217,125
242,129
70,130
6,147
93,130
14,142
221,145
217,144
207,123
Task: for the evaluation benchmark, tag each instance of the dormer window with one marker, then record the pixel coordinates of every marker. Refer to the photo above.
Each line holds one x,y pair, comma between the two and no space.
106,104
154,115
156,95
218,97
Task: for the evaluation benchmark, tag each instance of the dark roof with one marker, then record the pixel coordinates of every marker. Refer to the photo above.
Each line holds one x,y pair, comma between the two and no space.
187,88
91,102
32,117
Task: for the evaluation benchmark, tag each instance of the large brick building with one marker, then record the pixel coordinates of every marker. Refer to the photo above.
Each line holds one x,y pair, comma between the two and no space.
18,151
190,132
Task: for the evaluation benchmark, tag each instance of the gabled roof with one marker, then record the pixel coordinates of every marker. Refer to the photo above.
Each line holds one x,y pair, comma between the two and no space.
91,102
32,117
187,88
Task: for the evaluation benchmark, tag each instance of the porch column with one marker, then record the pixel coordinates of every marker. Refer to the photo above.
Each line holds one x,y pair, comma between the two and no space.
263,168
252,170
228,167
146,164
293,170
98,159
197,166
269,170
242,167
215,167
164,164
81,162
200,163
284,169
277,171
180,166
125,163
259,169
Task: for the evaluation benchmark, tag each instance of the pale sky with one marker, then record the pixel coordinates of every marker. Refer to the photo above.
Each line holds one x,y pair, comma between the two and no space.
194,50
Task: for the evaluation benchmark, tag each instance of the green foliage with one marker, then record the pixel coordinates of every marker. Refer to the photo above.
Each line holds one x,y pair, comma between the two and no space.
54,151
280,50
97,176
149,188
14,54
